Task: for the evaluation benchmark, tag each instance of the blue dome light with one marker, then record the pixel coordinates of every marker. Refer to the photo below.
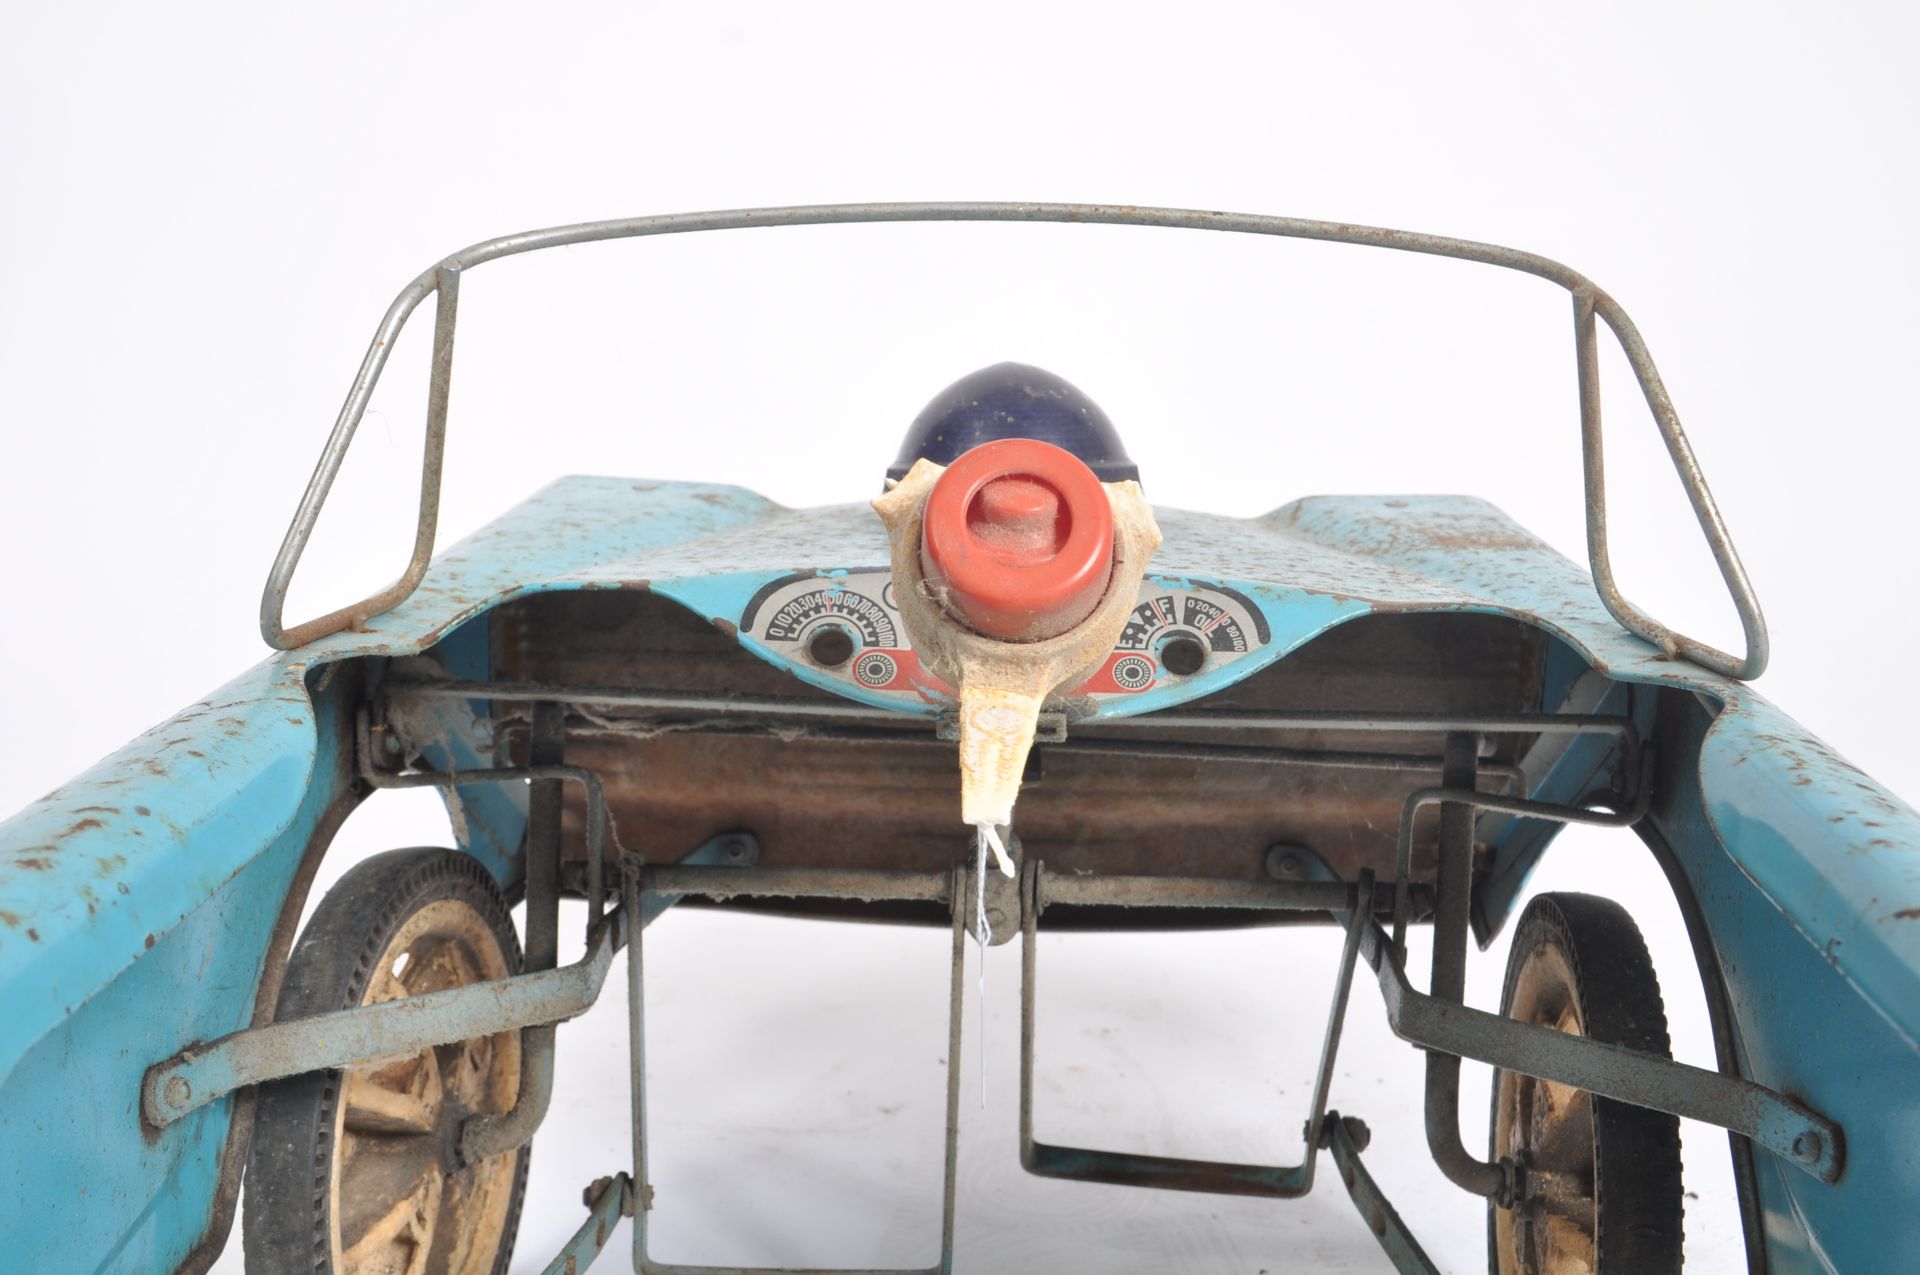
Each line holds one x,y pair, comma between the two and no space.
1013,400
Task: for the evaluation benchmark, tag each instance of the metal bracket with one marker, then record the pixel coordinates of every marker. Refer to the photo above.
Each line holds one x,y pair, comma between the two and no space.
375,1033
1116,1168
639,880
1446,1027
397,1029
598,824
1291,861
607,1200
1800,1137
1345,1137
728,850
1049,728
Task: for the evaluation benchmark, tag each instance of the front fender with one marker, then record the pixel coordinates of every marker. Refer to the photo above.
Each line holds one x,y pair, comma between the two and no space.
1804,872
139,907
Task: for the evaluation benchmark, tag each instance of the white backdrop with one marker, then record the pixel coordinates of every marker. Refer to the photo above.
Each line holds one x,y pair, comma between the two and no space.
206,212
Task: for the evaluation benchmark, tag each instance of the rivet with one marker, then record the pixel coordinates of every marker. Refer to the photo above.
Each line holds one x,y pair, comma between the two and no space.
1285,862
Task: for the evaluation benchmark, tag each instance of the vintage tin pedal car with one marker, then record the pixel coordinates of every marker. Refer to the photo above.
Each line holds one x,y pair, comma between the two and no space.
1375,712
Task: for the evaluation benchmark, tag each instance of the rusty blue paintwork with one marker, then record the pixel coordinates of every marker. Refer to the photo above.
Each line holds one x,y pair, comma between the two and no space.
176,1089
154,883
590,1240
138,902
1382,1219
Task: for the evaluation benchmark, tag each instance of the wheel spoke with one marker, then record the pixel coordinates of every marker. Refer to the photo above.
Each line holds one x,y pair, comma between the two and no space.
389,1211
1564,1140
460,967
1526,1117
438,965
1569,1247
478,1193
1561,1195
468,1065
401,1098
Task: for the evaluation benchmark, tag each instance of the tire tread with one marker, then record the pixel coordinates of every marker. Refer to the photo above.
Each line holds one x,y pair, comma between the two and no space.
285,1225
1639,1205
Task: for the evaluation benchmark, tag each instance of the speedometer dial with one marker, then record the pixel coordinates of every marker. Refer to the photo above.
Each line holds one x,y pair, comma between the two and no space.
844,625
864,615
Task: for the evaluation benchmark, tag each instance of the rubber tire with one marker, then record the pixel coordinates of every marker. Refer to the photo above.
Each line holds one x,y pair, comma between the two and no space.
285,1226
1638,1204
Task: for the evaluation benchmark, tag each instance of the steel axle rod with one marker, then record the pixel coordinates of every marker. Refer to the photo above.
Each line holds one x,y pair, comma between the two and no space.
371,1033
1800,1137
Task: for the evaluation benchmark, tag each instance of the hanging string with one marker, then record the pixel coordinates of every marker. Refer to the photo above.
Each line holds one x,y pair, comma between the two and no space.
990,835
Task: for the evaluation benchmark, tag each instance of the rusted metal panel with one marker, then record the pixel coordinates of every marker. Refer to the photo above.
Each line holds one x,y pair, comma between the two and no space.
152,923
1811,827
888,806
1801,1023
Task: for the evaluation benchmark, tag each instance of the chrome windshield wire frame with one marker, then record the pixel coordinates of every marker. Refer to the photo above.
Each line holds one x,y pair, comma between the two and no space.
442,282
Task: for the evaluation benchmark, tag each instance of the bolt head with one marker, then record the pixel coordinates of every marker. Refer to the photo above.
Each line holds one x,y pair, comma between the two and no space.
1513,1185
1285,864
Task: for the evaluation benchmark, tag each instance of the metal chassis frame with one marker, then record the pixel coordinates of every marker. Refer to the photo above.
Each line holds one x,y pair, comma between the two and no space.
1169,1173
442,281
1438,1021
394,1029
945,887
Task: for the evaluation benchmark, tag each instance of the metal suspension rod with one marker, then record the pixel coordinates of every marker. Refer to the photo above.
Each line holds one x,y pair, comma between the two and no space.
1452,898
639,879
484,1136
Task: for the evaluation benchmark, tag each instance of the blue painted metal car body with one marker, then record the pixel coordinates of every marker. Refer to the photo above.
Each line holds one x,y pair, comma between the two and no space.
148,906
140,904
